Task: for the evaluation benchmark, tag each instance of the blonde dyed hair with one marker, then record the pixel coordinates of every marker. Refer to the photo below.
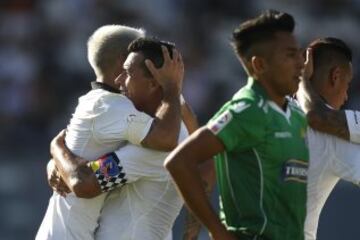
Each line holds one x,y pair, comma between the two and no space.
108,43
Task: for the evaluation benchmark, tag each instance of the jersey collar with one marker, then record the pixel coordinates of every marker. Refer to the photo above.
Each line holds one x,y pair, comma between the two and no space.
104,86
253,84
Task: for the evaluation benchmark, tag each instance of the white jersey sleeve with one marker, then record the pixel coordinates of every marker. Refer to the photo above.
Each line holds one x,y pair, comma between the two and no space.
321,179
331,159
346,164
353,122
121,121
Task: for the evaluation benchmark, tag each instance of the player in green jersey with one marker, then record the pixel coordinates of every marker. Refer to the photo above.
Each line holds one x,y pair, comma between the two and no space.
258,140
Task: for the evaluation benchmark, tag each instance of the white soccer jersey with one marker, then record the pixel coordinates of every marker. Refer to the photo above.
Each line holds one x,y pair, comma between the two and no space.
146,207
331,159
353,122
103,121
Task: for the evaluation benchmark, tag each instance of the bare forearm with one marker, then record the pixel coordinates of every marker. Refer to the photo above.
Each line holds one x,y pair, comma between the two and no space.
308,98
183,164
192,224
77,176
74,170
166,126
329,121
165,130
189,118
191,189
66,163
319,116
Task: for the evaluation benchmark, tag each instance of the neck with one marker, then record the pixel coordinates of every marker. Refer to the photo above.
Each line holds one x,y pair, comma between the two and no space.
152,105
273,95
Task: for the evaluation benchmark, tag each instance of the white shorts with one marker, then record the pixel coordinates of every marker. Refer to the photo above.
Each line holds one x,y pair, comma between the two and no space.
70,218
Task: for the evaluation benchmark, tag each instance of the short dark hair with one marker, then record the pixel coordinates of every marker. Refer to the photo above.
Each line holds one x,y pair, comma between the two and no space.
260,29
329,50
150,48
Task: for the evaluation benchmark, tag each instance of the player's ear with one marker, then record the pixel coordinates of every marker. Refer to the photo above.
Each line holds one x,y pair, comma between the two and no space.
335,76
153,84
258,65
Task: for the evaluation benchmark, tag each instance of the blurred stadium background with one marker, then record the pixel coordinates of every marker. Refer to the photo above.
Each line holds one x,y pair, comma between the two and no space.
43,69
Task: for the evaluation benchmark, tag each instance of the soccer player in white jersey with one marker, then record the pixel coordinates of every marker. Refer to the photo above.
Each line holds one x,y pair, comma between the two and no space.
331,158
103,121
147,205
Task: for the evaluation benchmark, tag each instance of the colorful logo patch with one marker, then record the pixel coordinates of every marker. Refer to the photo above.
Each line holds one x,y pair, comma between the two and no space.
295,171
106,165
220,122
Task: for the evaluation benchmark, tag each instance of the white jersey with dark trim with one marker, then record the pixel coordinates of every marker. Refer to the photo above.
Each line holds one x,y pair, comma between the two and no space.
103,121
331,159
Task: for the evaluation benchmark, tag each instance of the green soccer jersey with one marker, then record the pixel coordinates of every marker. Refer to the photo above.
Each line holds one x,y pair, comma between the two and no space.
262,172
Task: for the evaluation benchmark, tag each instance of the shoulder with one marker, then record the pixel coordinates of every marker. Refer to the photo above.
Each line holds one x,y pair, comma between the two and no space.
99,102
247,101
113,102
245,109
113,99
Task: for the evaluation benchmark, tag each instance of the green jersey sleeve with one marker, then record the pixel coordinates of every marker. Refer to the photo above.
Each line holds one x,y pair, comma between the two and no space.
239,124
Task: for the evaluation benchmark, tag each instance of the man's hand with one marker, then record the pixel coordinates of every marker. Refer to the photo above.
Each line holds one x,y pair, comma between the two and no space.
54,179
306,95
170,75
309,64
165,128
58,141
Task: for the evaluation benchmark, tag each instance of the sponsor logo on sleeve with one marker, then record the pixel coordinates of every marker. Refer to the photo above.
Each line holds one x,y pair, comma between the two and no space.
220,122
295,171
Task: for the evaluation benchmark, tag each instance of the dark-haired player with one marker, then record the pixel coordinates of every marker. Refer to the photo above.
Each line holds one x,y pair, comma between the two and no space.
258,140
331,158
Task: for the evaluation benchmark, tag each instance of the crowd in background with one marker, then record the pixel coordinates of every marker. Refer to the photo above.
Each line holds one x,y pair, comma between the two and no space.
44,69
